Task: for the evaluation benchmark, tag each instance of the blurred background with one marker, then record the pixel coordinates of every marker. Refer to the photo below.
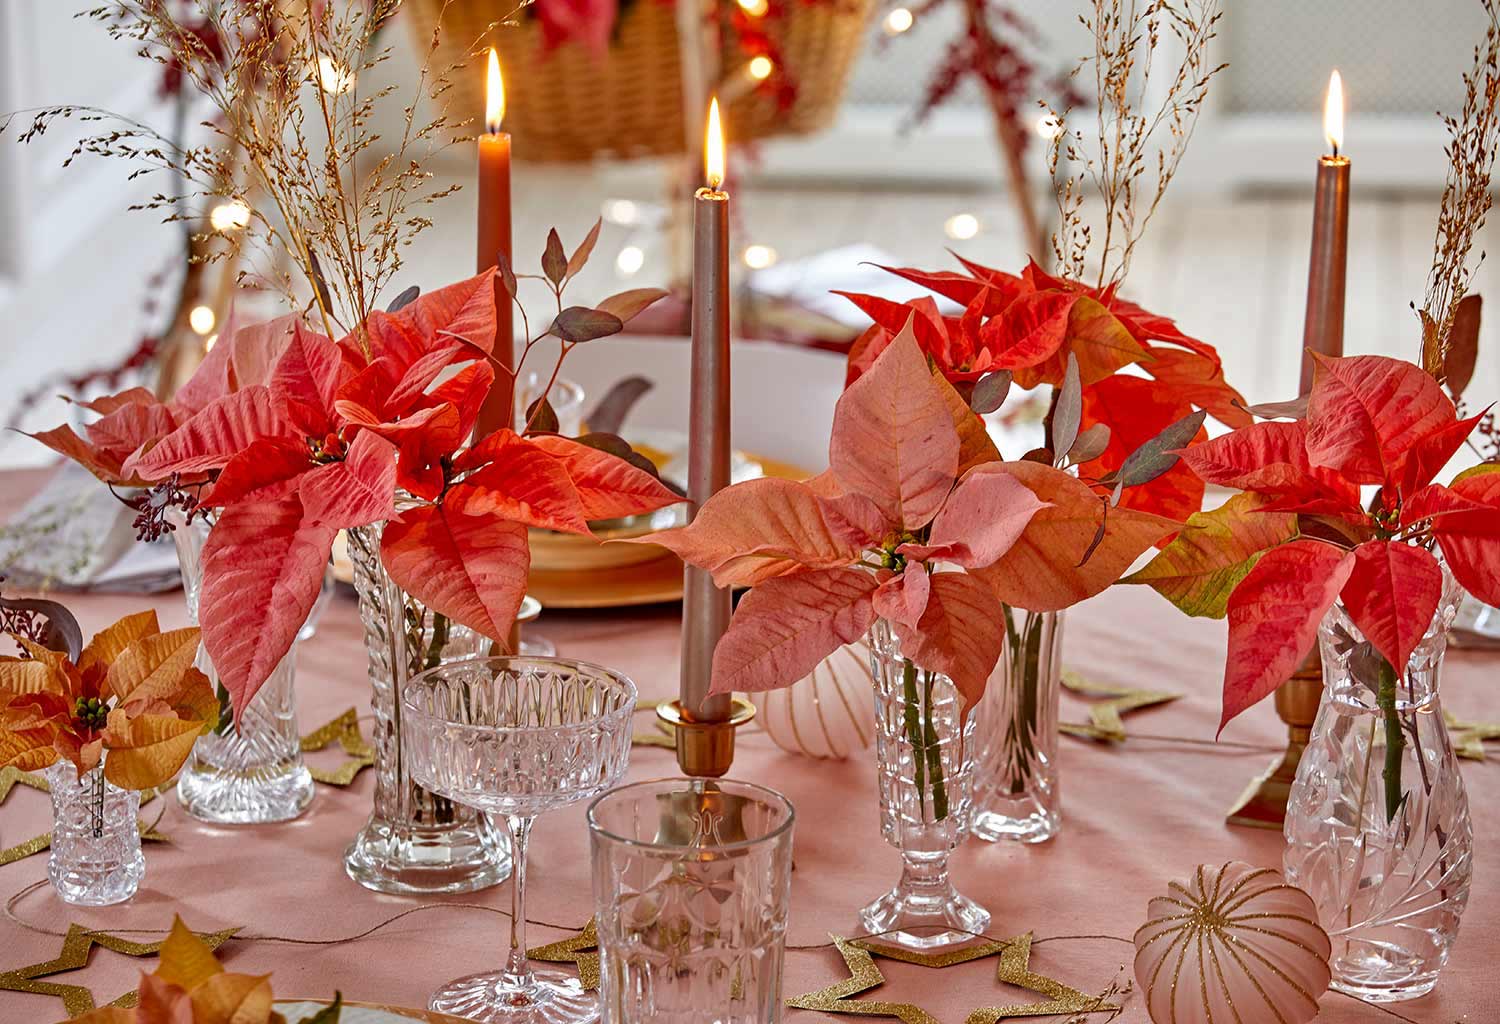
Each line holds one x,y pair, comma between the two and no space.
858,131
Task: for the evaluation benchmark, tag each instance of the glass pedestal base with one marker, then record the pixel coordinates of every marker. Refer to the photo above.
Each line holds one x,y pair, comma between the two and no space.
225,797
1383,976
924,920
552,998
1031,824
418,862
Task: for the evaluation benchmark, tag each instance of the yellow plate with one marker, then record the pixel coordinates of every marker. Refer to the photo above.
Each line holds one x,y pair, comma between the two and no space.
654,582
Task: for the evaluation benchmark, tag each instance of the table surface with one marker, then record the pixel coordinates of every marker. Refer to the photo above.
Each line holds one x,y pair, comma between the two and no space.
1137,814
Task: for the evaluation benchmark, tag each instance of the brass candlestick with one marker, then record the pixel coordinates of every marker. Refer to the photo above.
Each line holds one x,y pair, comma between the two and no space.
1263,804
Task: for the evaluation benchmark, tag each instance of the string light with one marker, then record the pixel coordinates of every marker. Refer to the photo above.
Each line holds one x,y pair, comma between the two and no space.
208,342
754,8
961,226
761,68
230,216
621,211
630,260
759,257
898,21
1048,127
202,319
335,79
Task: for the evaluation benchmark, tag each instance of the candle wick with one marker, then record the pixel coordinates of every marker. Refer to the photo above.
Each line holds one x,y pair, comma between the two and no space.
1335,149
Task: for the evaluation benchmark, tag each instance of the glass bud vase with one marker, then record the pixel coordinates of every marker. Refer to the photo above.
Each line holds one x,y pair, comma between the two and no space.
1017,792
925,777
415,841
1377,824
95,858
249,772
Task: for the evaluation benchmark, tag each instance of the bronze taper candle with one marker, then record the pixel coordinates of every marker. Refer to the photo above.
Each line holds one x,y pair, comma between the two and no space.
1323,325
704,724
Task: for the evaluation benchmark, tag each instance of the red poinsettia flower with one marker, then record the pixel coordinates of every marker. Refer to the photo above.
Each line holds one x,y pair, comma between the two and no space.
328,441
1276,558
1030,325
917,521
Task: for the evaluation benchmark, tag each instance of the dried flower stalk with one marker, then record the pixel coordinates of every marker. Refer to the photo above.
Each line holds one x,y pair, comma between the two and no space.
1127,35
284,77
1473,140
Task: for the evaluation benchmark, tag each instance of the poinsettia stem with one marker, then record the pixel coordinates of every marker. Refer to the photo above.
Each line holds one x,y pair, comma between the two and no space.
96,800
914,733
1395,740
438,642
934,754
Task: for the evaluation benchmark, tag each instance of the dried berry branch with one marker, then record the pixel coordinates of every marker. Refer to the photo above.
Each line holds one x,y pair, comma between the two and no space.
290,136
1127,35
1473,140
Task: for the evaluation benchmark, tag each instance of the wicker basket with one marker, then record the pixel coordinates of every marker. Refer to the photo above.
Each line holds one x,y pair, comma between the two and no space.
568,105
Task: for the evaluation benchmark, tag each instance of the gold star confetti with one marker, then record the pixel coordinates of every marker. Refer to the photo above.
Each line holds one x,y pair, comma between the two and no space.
1014,969
74,956
580,950
343,730
12,776
1105,721
659,735
1468,737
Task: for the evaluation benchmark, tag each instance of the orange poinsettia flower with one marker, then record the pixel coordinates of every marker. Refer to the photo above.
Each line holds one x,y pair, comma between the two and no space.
133,691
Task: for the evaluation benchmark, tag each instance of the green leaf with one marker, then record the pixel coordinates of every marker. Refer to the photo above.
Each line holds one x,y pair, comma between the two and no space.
990,391
1156,456
1067,414
330,1013
583,252
1205,562
554,260
578,324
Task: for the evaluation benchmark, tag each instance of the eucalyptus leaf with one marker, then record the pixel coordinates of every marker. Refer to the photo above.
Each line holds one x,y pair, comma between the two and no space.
583,252
1067,413
1098,534
1090,444
507,274
1042,455
541,418
608,415
990,391
325,299
1155,457
406,298
578,324
554,260
629,304
617,446
1463,344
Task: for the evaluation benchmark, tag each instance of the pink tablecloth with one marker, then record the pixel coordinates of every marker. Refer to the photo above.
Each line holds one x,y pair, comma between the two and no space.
1137,814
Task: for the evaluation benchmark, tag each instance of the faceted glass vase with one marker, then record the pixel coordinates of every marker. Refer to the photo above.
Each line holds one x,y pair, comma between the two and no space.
95,859
250,772
415,842
1377,825
925,776
1017,791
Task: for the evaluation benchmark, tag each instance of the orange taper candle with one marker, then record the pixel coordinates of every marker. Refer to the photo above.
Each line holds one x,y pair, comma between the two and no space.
495,241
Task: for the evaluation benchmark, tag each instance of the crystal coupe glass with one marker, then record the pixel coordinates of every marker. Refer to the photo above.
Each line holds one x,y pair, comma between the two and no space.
514,737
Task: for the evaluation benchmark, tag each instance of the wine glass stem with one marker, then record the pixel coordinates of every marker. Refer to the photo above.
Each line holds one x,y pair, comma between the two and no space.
517,970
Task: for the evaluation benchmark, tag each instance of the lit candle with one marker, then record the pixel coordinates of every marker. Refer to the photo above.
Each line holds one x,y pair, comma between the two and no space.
494,240
1323,327
706,608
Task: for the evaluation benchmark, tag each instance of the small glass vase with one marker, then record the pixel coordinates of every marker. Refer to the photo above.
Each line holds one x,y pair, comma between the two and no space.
1377,824
249,772
415,842
925,772
1017,791
95,858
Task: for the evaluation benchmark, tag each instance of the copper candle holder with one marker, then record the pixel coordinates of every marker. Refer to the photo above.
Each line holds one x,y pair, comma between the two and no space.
1263,804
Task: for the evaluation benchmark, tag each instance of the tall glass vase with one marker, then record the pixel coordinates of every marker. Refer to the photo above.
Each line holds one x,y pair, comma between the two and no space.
95,859
415,841
925,777
249,772
1377,825
1017,791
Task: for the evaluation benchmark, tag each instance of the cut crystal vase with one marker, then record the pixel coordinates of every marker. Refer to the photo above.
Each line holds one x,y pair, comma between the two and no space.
1017,793
251,771
415,841
1377,826
925,776
95,858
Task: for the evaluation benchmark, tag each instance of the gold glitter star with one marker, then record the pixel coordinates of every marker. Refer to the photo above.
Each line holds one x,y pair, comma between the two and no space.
11,776
1468,737
74,956
345,731
1105,721
574,950
1014,969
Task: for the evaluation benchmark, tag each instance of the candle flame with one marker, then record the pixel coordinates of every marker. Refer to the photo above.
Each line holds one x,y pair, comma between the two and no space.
713,147
1333,112
494,96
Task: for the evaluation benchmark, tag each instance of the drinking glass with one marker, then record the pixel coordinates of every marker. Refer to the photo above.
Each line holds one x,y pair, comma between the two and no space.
514,737
566,399
691,883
